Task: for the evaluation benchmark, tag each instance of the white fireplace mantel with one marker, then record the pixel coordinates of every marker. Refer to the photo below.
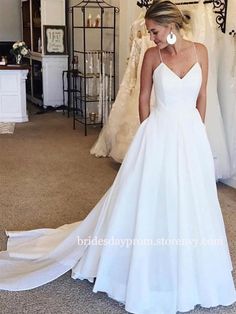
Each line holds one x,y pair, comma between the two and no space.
13,94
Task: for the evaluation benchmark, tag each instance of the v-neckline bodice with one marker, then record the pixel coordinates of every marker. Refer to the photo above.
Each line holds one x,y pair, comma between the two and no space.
173,72
186,74
176,75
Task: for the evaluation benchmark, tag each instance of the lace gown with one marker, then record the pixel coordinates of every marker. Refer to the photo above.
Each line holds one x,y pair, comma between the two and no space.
164,198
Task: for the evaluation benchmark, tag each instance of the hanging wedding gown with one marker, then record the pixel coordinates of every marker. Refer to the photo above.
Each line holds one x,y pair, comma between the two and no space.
227,83
164,191
205,30
116,135
123,121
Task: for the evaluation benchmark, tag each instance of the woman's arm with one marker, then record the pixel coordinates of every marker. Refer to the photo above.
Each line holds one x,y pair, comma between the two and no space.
146,85
202,96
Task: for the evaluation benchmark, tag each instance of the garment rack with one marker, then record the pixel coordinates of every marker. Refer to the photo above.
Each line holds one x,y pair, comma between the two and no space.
219,8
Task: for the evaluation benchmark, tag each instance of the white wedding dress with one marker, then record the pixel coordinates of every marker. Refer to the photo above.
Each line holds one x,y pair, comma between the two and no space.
227,82
227,93
164,191
208,34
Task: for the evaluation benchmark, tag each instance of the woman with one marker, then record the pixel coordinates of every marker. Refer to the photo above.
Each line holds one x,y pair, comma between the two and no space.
180,57
164,246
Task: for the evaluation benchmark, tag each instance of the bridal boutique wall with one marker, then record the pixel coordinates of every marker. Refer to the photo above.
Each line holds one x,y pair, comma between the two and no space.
10,20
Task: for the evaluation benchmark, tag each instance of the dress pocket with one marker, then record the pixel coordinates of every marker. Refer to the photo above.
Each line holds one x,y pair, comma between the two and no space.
200,118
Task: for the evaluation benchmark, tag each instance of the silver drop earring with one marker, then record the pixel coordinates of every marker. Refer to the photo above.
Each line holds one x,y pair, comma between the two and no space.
171,38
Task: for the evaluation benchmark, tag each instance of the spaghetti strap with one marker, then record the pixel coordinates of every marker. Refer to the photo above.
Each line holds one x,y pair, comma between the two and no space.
160,54
195,52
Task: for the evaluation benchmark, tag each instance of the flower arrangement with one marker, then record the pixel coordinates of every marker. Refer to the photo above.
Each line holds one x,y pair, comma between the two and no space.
20,49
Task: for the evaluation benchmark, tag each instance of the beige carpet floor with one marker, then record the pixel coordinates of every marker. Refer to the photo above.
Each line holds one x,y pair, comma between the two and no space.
48,178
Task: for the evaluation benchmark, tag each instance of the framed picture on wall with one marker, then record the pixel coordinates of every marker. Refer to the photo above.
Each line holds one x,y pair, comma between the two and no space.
54,39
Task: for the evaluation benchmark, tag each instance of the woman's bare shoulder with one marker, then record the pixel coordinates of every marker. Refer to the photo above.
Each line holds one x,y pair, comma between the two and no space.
202,53
201,49
151,56
150,52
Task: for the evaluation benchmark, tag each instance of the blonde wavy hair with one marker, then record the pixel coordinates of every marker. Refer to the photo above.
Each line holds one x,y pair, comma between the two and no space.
165,12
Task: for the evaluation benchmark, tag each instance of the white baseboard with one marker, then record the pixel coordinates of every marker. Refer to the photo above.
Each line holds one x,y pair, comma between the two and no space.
231,182
14,119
